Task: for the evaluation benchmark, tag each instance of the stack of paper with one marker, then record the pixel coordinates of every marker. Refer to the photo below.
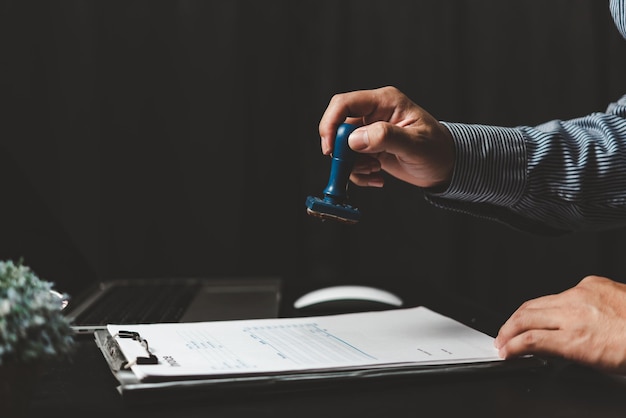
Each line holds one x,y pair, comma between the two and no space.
264,347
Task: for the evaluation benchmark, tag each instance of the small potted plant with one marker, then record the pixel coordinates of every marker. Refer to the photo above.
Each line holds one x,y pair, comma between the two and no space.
33,330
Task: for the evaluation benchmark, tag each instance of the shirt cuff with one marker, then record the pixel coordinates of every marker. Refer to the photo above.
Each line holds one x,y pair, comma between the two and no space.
490,164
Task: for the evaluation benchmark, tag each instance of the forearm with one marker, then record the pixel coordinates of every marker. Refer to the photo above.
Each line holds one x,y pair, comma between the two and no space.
557,177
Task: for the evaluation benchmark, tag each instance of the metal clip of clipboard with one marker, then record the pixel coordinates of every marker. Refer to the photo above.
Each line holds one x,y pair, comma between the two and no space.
149,359
113,354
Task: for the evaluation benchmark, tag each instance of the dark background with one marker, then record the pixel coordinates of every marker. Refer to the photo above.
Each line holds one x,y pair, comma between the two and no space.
179,138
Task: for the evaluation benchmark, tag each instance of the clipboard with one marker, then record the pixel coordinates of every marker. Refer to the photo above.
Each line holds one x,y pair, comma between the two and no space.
134,389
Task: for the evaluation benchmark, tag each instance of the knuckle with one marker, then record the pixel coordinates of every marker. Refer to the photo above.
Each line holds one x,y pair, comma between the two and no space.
382,129
378,132
390,92
390,89
515,317
529,339
591,280
336,98
523,308
591,284
586,280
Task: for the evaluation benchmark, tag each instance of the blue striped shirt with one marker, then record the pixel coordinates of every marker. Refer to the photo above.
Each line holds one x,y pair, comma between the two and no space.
554,178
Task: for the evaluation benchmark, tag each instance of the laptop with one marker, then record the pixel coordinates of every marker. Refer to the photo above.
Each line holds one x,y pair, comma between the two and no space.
159,300
92,304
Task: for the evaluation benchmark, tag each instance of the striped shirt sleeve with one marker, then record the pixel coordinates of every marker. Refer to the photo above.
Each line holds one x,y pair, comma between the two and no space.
554,178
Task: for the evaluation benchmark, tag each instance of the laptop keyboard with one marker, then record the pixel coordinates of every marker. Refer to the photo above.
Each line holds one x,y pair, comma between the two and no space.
140,304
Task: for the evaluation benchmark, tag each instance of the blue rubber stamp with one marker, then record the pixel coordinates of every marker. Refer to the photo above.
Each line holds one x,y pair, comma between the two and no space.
334,203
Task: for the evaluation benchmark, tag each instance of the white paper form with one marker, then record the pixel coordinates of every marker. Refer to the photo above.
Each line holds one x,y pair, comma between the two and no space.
414,336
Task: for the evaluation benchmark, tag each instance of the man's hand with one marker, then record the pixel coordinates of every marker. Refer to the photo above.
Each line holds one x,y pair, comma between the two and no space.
397,136
585,324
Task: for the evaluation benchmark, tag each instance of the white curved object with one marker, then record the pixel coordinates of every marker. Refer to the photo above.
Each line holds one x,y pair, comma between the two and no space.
340,293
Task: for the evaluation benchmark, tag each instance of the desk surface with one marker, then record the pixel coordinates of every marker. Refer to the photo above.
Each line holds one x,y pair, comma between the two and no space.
84,386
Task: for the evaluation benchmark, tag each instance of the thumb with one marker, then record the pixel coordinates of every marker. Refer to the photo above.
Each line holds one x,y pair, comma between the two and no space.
381,137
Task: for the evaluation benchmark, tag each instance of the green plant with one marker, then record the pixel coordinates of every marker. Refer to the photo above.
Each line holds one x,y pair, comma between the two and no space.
32,327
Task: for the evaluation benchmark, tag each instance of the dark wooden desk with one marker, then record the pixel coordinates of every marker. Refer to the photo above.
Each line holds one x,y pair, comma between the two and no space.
85,387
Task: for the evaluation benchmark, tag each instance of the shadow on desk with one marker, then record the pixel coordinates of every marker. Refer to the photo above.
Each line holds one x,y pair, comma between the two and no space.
85,386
